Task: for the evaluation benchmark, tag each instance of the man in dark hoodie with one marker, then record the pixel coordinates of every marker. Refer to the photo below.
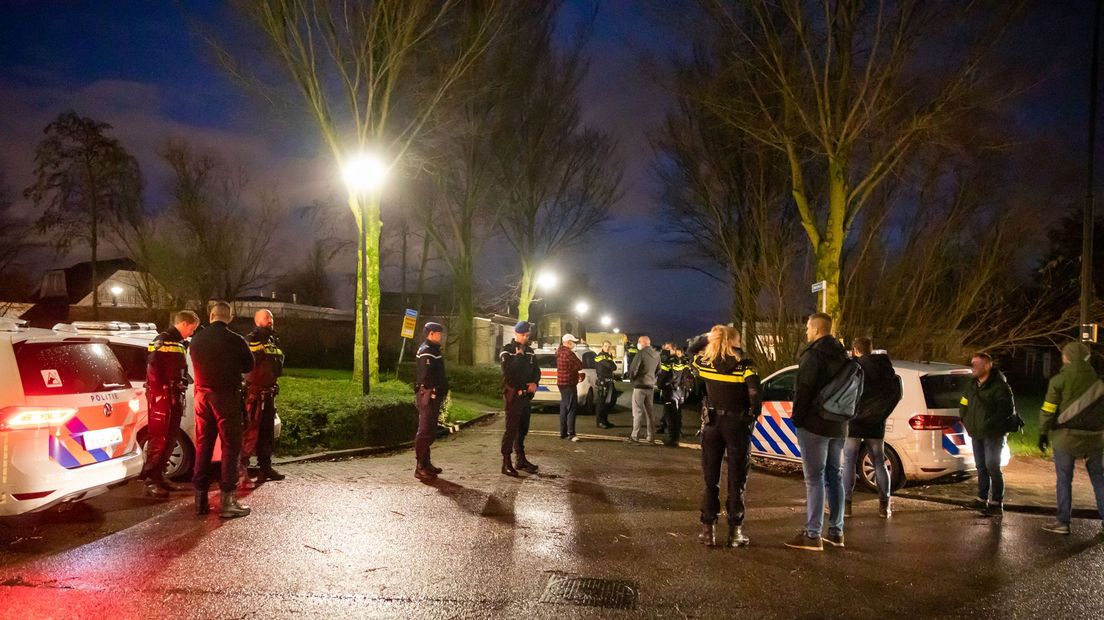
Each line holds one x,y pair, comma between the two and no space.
881,393
986,405
821,441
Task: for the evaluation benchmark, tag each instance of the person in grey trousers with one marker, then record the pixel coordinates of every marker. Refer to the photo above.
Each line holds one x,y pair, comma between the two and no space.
642,373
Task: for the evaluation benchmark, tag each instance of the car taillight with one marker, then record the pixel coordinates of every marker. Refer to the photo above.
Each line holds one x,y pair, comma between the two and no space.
582,377
135,405
925,422
17,418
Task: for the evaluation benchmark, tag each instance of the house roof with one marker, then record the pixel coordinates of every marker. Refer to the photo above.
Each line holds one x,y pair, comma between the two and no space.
77,279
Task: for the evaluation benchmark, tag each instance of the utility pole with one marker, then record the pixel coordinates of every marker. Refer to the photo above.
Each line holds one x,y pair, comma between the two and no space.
1088,331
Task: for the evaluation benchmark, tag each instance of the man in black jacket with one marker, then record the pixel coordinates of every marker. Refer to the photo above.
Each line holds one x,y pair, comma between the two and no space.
881,393
262,386
430,389
166,379
219,358
821,441
520,376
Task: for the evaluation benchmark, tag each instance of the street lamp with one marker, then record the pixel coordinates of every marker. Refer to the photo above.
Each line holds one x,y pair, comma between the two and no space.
115,292
582,307
606,320
548,281
364,175
617,330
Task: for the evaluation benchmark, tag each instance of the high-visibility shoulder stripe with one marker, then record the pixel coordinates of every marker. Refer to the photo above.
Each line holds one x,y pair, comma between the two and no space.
964,401
167,349
436,357
1050,407
256,347
716,376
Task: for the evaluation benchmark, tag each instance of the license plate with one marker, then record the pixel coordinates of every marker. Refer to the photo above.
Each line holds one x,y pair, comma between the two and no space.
104,438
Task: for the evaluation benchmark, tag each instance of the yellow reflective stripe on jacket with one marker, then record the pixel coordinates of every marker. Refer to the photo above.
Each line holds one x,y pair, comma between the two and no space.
1050,407
256,347
166,348
711,374
964,401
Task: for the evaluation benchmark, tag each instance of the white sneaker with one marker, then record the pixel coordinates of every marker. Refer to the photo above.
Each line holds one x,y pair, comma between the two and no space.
575,438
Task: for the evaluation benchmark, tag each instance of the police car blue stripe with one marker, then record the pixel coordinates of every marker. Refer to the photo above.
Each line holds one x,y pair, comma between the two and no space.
949,446
755,443
793,450
763,430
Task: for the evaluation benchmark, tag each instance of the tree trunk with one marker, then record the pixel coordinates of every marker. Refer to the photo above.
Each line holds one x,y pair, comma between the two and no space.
422,269
526,293
466,302
95,271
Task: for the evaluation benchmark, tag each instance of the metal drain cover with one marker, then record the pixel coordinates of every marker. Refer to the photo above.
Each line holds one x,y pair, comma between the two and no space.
590,592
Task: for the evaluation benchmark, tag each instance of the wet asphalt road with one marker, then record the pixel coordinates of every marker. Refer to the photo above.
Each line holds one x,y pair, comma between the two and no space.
362,538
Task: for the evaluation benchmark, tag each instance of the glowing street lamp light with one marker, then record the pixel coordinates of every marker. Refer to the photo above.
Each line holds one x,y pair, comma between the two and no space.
606,320
548,281
617,330
581,308
115,292
365,172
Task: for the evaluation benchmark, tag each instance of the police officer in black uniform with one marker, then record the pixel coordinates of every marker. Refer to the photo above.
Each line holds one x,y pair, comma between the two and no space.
630,352
261,387
733,402
430,389
520,376
675,384
604,367
167,378
219,359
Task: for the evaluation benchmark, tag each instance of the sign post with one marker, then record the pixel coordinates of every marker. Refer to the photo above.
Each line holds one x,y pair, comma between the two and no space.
822,287
410,321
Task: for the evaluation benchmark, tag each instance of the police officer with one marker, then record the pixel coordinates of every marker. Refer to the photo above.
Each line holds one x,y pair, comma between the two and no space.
219,358
261,388
520,375
166,379
728,417
430,389
630,352
604,367
675,383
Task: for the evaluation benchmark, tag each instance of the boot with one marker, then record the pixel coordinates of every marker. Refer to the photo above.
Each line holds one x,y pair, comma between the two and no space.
508,467
244,482
155,491
524,464
229,508
707,536
736,537
433,468
201,505
423,472
267,473
993,509
885,507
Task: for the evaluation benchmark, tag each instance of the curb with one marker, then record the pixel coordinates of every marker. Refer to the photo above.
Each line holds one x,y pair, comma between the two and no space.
442,431
681,444
1031,509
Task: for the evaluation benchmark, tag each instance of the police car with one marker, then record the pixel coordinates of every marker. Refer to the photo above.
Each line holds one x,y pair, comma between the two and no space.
925,438
69,419
130,342
547,390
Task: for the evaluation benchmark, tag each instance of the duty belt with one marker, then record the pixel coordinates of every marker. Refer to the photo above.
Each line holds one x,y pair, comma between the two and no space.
731,412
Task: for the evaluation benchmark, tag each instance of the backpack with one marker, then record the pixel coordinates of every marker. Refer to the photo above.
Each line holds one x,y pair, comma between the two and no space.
838,400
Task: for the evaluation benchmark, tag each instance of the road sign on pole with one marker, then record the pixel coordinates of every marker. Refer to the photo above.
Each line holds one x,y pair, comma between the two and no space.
822,288
410,320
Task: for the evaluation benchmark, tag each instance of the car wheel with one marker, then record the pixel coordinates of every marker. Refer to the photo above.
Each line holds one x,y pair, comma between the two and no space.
181,458
866,470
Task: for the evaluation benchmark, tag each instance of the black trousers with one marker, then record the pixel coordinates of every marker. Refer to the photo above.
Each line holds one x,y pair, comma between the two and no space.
218,415
517,422
259,437
429,410
732,434
607,396
166,408
672,418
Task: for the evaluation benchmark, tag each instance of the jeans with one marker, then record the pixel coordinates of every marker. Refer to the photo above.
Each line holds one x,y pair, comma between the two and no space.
1063,466
569,405
642,412
876,447
987,457
821,463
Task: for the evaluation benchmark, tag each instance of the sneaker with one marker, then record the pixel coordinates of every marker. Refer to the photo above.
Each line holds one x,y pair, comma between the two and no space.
836,540
575,438
802,541
1057,527
631,440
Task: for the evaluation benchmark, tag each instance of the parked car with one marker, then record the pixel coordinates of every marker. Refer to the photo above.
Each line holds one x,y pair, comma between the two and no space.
69,419
925,438
549,393
129,342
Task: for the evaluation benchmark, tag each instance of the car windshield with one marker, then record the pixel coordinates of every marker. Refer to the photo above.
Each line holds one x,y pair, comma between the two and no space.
52,368
944,391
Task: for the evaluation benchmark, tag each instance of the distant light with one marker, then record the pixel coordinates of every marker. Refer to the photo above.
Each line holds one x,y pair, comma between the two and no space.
617,330
116,290
548,280
364,172
581,308
607,320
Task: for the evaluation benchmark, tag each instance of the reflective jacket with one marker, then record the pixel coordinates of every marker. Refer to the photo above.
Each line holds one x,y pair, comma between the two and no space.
1072,382
604,365
268,358
167,361
731,384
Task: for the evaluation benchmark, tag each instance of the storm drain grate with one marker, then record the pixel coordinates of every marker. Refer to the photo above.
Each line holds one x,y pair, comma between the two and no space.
590,592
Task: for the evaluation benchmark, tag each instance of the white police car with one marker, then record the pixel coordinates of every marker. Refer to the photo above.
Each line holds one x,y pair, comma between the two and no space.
925,438
69,419
130,342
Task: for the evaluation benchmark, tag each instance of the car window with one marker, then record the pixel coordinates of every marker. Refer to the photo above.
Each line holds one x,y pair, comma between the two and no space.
52,368
133,360
944,391
546,361
780,387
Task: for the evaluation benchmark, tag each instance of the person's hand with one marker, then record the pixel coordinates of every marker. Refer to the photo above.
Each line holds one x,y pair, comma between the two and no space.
531,388
1044,443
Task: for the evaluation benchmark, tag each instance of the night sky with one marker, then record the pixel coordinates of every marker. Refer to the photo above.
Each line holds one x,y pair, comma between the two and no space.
138,65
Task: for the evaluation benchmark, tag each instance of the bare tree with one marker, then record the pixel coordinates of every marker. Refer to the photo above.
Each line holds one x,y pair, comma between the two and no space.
84,182
357,67
846,90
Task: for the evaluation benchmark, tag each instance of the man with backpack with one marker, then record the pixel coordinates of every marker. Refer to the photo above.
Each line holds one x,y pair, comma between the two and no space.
988,413
1072,421
820,432
880,395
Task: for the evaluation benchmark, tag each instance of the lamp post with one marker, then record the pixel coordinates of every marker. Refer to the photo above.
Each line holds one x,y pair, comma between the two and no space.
364,175
115,292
